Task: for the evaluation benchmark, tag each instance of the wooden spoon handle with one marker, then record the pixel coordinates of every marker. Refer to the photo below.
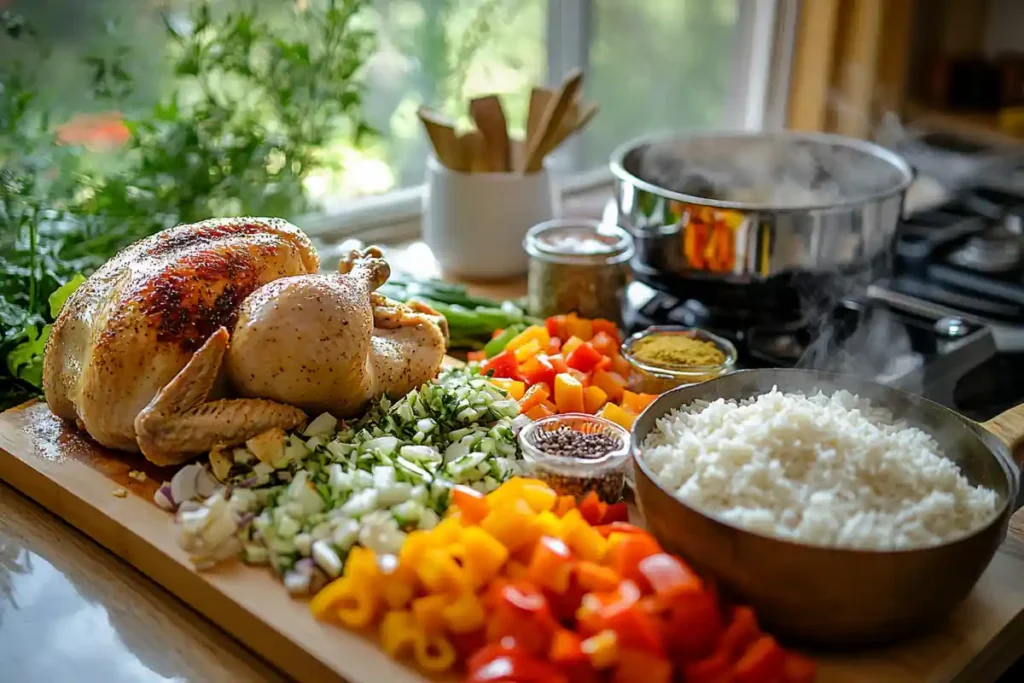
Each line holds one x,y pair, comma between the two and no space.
552,116
539,100
575,121
490,119
441,132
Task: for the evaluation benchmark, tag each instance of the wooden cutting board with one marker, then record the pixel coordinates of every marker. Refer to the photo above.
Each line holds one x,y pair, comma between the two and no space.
76,479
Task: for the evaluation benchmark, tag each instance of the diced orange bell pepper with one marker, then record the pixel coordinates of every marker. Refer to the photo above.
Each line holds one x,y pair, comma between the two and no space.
625,552
799,669
511,491
568,394
595,577
465,614
537,333
477,356
516,571
586,542
429,612
581,377
602,649
667,576
566,648
539,498
551,407
636,665
550,565
482,556
611,383
534,396
605,344
635,403
600,325
539,412
592,508
527,350
558,363
554,346
515,389
593,399
579,327
564,504
555,326
549,524
569,346
612,412
604,364
763,661
620,365
618,527
583,358
513,525
471,503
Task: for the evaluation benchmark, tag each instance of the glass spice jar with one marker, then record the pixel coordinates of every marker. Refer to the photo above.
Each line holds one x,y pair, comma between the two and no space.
576,453
578,265
650,378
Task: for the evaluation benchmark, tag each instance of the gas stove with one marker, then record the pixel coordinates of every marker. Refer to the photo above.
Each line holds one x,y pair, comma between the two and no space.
948,323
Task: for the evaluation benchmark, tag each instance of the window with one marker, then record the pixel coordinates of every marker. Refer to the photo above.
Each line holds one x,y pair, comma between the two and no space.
651,65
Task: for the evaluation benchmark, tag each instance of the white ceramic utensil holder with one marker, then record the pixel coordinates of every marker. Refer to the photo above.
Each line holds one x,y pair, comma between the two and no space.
475,222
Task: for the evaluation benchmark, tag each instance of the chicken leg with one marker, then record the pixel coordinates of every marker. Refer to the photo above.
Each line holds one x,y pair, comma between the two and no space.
179,420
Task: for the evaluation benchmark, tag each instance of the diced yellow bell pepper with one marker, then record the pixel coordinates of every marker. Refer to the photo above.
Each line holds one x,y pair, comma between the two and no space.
527,351
593,398
416,543
512,524
568,393
448,531
569,521
433,652
549,524
539,498
602,649
537,333
398,633
351,602
514,388
511,490
516,570
465,614
322,604
586,542
398,586
612,412
570,345
361,565
429,611
440,573
576,326
482,555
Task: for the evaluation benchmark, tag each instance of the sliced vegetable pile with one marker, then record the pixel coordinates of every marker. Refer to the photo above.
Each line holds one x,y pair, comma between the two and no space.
567,365
300,502
471,320
522,585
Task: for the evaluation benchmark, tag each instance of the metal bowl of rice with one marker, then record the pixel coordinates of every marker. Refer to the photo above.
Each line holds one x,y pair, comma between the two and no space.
845,512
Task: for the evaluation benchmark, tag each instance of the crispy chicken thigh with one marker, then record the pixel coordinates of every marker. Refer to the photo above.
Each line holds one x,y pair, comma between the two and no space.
136,356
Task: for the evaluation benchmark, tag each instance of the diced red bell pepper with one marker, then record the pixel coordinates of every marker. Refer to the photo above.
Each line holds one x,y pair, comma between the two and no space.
556,326
763,662
617,527
668,576
584,358
799,669
635,628
564,605
635,665
550,565
740,632
538,370
558,363
554,346
605,344
691,624
508,668
625,552
502,365
565,648
600,325
593,508
478,356
615,512
466,644
471,503
521,612
715,668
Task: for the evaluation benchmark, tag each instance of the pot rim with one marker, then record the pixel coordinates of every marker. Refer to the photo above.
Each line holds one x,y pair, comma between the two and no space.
896,161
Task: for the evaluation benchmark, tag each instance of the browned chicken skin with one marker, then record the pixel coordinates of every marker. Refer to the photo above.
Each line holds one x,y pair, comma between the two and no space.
136,355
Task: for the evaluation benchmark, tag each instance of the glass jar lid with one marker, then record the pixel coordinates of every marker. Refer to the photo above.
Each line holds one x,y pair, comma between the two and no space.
572,240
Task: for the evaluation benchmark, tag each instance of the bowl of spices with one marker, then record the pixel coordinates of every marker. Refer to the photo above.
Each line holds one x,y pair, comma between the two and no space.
576,453
578,265
663,357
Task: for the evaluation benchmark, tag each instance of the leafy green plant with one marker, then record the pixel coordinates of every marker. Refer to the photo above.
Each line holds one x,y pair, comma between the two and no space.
250,108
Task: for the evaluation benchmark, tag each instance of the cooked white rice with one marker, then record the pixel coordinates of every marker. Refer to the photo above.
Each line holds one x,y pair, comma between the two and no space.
825,470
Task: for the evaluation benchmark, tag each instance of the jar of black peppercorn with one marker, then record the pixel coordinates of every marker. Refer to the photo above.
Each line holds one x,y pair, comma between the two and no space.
576,453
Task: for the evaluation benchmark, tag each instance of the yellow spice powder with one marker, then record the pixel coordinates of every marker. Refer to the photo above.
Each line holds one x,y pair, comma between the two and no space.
676,350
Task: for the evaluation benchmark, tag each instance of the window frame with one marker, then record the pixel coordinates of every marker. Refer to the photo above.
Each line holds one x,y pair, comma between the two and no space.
758,93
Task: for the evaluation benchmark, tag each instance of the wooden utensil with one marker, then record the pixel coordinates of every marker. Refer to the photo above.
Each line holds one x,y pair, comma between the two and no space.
573,122
539,100
553,114
490,120
473,150
441,131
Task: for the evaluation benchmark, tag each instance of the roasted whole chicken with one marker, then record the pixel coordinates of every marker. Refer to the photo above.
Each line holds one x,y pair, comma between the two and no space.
209,334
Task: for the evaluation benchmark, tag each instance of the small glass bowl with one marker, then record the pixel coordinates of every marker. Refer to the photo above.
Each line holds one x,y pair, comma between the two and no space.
657,379
578,476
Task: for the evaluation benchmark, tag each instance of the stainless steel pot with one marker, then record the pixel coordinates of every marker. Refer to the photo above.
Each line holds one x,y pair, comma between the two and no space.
747,207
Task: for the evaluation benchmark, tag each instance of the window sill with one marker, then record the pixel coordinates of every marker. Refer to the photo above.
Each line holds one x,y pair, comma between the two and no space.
398,215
